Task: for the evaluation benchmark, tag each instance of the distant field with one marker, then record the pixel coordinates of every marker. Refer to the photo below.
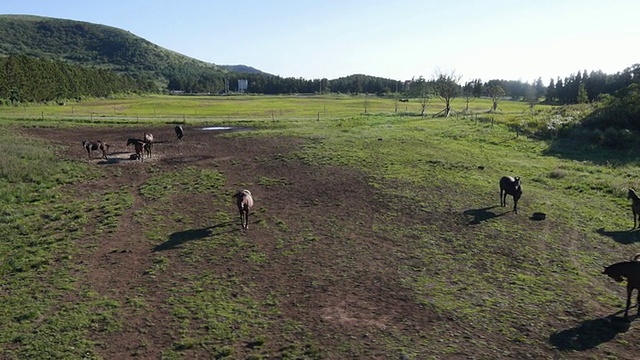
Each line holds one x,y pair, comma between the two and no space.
221,108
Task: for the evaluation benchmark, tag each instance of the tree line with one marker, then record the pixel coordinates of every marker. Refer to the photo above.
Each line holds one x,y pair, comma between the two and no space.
29,79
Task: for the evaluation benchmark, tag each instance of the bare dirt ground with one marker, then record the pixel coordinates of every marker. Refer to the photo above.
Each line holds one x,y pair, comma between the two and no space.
342,298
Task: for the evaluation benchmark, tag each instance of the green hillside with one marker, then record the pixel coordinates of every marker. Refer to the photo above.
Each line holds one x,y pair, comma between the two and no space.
103,46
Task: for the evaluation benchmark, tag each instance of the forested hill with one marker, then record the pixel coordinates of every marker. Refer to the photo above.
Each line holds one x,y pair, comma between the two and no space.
106,47
103,46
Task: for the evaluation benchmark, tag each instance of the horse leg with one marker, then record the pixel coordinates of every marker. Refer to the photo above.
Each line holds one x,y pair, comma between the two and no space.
638,304
246,219
626,311
515,206
503,198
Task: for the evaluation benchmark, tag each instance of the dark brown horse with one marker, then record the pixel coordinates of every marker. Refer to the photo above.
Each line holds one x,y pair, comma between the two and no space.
139,145
148,143
244,201
635,206
510,186
95,145
631,271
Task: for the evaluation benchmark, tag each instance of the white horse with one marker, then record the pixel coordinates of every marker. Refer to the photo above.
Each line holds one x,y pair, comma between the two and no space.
244,201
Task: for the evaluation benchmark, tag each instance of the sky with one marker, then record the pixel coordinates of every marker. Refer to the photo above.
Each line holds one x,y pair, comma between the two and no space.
400,39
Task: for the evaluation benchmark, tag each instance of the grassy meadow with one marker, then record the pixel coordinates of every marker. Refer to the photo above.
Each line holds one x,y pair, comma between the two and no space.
162,108
505,276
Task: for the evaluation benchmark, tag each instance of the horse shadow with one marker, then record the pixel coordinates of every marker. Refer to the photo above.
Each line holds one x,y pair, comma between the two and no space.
621,236
178,238
483,214
590,333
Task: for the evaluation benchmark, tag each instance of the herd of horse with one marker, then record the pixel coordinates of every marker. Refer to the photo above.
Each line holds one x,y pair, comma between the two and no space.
629,270
143,147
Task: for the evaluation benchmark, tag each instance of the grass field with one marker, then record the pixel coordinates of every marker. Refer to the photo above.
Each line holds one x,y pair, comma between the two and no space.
454,275
222,108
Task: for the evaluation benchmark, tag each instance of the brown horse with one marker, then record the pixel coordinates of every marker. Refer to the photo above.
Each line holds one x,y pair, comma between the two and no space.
631,271
244,201
95,145
139,145
635,206
148,140
510,186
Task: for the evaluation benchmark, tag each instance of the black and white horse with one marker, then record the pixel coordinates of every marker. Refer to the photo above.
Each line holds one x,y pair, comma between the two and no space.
179,131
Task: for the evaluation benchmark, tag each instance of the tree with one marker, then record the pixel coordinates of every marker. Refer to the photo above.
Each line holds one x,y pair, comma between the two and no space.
471,90
446,88
583,97
495,92
539,88
422,90
550,95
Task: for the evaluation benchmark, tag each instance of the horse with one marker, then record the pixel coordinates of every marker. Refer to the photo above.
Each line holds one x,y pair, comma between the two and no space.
244,201
139,145
148,139
631,271
510,186
179,131
635,206
95,145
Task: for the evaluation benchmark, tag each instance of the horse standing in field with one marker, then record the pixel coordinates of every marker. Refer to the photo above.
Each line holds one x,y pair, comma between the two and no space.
510,186
139,146
95,145
148,144
631,271
635,206
244,201
179,132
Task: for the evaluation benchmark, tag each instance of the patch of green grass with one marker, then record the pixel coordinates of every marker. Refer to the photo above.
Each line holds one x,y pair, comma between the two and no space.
264,181
190,179
40,224
215,312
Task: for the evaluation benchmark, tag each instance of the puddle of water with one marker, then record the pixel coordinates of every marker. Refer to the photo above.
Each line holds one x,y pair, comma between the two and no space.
213,128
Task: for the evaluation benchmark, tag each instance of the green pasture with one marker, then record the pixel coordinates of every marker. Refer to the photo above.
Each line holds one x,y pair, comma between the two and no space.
502,276
225,108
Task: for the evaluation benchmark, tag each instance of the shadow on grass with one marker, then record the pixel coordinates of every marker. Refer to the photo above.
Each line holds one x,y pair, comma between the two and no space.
568,149
178,238
590,333
621,236
484,214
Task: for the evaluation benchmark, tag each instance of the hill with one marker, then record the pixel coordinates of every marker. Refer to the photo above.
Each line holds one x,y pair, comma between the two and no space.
88,44
104,46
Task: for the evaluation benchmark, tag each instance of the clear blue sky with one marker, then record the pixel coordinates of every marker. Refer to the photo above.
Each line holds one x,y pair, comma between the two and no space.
401,39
